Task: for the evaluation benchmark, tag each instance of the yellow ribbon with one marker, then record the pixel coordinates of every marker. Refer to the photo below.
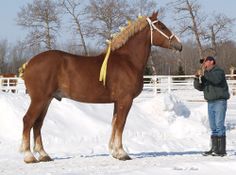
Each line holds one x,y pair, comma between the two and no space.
103,70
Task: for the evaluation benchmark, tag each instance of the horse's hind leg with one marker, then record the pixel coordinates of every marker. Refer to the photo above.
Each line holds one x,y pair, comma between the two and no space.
29,119
38,144
111,142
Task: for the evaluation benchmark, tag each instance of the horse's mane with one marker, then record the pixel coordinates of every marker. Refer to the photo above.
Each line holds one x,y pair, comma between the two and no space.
132,28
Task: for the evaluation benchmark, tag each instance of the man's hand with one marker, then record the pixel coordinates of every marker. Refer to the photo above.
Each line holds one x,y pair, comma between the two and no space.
199,73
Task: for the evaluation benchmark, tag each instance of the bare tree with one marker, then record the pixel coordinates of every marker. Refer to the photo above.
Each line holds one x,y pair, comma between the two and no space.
189,20
73,8
42,19
18,55
144,8
226,55
106,17
219,30
3,54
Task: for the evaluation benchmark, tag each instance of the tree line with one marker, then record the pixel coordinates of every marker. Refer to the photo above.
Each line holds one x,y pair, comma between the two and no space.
87,25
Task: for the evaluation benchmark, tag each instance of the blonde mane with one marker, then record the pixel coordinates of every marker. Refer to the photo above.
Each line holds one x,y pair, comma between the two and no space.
121,38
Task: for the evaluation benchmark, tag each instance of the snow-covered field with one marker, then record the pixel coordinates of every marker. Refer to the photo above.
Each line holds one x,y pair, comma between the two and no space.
163,135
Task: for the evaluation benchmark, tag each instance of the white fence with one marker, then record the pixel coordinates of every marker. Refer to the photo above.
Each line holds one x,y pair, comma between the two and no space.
14,85
181,86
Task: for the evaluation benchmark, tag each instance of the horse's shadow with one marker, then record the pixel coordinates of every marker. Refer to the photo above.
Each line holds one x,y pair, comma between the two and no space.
161,154
63,158
150,154
143,155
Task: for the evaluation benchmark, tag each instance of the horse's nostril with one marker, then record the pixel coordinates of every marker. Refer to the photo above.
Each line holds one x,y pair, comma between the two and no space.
181,47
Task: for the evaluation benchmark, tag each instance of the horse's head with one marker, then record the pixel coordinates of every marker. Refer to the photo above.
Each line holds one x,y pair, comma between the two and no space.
161,35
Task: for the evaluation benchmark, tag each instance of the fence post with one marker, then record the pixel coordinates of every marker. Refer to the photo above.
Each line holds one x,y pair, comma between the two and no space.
169,84
155,85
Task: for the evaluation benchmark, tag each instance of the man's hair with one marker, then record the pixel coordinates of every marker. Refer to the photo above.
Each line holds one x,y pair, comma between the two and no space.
209,58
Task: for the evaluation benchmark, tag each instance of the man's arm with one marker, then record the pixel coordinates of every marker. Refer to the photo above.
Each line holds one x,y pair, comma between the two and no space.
197,85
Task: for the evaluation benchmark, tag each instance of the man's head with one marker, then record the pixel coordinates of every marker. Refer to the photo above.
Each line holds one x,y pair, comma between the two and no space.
209,62
209,58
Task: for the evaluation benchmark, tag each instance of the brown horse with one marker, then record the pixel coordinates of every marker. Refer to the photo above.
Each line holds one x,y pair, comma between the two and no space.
57,74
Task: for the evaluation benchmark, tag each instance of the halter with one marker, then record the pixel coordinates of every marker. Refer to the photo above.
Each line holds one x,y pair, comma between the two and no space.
152,26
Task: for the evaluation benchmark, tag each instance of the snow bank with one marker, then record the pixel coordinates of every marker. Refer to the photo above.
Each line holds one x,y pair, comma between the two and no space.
162,135
152,125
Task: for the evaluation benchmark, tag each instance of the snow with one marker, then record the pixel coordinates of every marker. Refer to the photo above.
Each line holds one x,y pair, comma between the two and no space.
163,135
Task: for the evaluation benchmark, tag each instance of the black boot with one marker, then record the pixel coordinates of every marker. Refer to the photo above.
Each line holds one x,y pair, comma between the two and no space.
214,146
221,140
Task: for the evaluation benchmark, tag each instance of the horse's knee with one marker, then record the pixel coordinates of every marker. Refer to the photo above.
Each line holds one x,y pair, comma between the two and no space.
25,120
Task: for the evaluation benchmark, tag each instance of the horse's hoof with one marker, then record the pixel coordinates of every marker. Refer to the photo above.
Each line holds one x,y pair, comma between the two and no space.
126,157
30,160
123,156
45,159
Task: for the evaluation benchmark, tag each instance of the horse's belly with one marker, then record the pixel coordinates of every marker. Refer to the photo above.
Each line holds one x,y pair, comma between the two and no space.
87,95
91,99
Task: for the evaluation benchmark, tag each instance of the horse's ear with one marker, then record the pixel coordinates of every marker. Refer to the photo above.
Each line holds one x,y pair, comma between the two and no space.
155,14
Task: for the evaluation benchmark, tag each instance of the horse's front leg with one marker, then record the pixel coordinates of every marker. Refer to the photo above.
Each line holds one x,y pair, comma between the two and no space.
122,108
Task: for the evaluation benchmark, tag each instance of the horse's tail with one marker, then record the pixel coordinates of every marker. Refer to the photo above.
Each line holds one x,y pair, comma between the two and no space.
22,70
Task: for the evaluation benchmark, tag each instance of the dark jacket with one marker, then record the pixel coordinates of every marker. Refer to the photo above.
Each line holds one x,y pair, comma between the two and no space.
213,84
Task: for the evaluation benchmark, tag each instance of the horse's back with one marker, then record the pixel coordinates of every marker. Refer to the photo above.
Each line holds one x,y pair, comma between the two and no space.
64,74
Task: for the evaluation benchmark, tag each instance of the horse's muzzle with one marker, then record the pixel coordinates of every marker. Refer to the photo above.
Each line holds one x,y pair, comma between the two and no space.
176,46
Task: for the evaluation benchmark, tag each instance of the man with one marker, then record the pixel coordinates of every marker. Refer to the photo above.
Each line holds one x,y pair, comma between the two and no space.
214,86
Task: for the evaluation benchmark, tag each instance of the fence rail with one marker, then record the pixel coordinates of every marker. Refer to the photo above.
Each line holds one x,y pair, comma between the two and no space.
15,85
181,86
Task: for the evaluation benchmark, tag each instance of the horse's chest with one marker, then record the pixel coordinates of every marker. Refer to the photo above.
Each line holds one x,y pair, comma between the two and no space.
136,87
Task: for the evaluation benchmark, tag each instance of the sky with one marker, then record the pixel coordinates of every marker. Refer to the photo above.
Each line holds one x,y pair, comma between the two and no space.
11,32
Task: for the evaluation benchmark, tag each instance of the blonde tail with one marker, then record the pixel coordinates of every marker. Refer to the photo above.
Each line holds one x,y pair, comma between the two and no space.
22,70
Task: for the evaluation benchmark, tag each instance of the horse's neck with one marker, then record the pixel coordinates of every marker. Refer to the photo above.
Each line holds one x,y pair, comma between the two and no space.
138,48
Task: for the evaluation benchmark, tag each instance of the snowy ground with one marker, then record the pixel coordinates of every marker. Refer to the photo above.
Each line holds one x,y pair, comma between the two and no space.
163,135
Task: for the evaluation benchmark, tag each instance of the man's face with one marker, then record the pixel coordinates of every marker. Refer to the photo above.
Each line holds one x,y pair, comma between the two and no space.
208,64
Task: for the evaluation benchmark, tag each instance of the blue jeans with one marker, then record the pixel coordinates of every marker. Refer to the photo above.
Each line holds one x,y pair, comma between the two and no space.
216,114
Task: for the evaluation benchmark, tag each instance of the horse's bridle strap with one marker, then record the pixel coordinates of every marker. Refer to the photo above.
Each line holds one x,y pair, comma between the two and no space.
152,26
